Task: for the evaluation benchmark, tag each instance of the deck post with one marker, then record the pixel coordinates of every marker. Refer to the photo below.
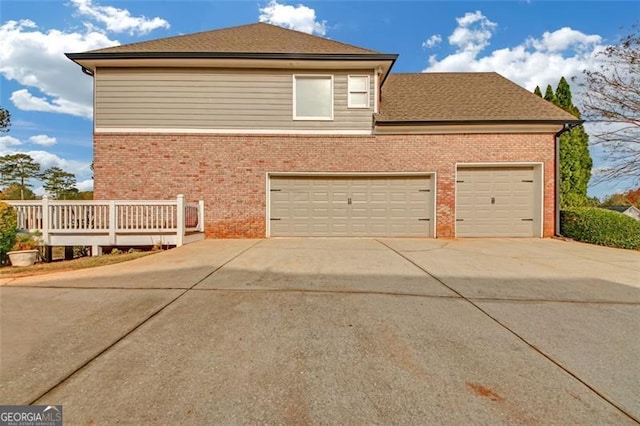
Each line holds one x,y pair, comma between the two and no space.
180,218
112,222
45,220
201,215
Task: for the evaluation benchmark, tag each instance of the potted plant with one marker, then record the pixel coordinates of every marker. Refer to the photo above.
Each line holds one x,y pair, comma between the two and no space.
25,250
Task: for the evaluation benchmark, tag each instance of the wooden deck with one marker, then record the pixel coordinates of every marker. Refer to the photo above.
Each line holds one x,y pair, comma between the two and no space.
102,223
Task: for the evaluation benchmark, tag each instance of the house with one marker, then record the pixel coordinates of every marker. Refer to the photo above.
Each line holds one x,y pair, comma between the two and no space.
282,133
630,211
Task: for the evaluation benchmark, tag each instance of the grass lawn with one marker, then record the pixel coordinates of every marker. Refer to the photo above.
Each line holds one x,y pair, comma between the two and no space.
70,265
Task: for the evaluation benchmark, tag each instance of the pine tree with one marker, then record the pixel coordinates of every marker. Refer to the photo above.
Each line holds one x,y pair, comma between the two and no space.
537,91
5,120
575,160
60,184
17,169
548,94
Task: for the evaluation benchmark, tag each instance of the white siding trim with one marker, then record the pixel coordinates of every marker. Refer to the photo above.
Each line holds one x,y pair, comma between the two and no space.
375,91
432,176
538,167
93,113
229,131
435,204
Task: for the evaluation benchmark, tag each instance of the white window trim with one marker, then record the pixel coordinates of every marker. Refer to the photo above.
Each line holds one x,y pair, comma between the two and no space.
376,90
368,92
295,116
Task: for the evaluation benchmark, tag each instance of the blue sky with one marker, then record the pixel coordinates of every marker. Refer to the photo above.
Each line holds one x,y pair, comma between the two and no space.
531,42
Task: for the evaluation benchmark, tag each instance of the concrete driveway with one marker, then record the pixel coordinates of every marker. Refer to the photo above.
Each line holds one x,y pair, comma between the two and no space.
327,331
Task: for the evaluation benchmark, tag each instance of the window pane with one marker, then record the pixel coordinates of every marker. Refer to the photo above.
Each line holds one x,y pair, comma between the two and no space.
313,97
357,84
358,99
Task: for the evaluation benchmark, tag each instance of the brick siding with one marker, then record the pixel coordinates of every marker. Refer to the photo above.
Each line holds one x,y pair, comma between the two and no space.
229,171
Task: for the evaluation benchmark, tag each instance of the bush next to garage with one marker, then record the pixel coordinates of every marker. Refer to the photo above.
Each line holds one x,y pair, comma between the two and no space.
600,226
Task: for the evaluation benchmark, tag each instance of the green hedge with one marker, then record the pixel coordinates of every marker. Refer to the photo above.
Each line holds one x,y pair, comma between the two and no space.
600,226
8,230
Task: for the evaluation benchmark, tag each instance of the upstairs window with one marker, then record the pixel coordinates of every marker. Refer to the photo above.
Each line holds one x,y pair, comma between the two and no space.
313,97
358,91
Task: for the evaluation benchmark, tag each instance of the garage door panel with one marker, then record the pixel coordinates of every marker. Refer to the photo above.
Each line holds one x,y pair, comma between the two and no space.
493,201
351,206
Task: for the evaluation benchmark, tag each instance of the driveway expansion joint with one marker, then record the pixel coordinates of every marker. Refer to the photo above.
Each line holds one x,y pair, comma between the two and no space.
138,325
568,301
320,292
519,337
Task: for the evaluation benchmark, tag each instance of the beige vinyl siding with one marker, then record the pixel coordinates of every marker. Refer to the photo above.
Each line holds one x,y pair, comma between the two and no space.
215,99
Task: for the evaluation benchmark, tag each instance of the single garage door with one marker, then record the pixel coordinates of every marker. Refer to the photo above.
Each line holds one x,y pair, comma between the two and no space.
398,206
498,202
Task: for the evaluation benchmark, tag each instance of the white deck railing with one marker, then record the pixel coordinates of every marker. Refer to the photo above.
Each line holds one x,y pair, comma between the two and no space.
59,220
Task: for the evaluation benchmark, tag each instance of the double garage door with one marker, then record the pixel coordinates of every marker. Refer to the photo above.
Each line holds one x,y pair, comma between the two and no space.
498,202
341,206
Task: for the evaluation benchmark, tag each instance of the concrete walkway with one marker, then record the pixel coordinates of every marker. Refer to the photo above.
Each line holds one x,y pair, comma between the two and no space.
329,331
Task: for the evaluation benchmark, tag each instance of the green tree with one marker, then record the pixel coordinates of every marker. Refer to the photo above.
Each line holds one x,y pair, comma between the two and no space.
15,192
59,183
84,195
8,230
17,169
537,91
549,95
5,120
575,160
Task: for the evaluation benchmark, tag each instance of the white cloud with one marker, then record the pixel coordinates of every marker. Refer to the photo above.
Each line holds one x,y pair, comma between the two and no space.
35,59
563,39
119,20
432,41
26,101
47,159
535,61
300,17
43,140
8,141
85,185
473,32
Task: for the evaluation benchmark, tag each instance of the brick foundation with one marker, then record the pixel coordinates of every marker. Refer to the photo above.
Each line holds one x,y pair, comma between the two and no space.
229,171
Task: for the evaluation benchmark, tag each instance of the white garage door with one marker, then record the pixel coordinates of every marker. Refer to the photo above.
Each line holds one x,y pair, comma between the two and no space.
398,206
498,202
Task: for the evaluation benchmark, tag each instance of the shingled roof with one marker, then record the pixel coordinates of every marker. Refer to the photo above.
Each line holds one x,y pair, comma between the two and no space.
462,97
253,38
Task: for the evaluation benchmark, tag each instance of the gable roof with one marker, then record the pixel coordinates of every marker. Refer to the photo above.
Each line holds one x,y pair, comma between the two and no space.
253,38
622,209
462,97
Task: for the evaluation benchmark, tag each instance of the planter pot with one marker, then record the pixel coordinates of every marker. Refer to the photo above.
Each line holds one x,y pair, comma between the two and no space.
23,257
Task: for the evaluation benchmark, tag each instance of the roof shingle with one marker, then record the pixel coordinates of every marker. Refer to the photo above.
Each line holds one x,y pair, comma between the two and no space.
462,97
253,38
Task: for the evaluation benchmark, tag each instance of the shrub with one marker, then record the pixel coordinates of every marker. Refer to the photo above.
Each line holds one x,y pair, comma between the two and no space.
8,229
600,226
25,241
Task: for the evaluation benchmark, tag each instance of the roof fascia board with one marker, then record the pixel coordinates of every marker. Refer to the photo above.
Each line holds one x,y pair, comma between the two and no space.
232,55
472,122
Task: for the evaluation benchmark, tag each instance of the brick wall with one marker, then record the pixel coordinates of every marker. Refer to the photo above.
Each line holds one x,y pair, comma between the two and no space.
229,171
